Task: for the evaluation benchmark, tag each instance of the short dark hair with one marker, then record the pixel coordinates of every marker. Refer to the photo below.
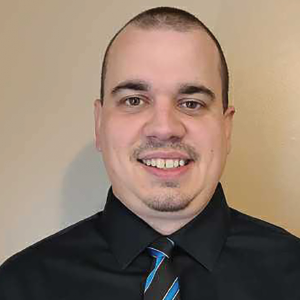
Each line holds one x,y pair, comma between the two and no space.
175,19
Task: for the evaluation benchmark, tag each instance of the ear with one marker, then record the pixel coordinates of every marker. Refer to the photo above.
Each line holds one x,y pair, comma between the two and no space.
97,117
228,120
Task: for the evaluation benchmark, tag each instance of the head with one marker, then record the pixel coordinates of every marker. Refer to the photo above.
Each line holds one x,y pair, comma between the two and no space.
173,19
163,123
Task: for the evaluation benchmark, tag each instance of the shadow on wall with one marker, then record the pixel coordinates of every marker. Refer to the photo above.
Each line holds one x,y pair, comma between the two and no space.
84,186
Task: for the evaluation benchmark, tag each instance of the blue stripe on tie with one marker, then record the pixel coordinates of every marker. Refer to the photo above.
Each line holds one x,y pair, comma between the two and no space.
150,277
172,292
155,252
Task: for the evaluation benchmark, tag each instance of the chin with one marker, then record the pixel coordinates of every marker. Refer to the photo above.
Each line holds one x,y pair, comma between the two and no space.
168,201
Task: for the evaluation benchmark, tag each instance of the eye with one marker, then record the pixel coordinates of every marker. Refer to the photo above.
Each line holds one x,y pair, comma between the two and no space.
133,101
191,105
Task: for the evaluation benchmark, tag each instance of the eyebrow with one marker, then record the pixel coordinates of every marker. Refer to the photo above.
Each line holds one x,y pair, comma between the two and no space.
190,89
140,85
135,85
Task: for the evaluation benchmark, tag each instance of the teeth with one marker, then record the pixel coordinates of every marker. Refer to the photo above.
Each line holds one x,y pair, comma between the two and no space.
169,163
153,162
161,163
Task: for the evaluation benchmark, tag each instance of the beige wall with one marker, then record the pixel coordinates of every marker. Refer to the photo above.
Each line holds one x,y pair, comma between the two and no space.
50,174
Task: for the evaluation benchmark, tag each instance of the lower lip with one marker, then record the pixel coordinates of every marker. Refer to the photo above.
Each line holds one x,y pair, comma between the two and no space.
167,173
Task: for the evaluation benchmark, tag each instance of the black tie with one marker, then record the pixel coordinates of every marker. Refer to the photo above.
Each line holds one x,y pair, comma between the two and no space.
162,283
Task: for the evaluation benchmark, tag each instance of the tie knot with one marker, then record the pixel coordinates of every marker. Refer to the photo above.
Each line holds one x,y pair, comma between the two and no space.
161,247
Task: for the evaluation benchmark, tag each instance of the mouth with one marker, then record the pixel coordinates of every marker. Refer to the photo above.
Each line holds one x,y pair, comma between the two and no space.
165,164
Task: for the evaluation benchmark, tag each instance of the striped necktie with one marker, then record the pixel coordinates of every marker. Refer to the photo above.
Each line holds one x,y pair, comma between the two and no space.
162,283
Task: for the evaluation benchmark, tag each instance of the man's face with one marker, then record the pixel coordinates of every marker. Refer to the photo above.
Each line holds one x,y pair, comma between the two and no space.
161,129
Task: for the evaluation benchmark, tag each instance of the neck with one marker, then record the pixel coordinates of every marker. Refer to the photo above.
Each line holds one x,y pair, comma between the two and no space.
163,222
167,223
167,227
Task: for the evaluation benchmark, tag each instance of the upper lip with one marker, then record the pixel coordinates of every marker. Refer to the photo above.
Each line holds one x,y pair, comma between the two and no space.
165,155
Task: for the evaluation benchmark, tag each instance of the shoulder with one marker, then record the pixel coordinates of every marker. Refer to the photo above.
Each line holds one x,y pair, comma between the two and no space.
261,255
65,247
259,236
247,223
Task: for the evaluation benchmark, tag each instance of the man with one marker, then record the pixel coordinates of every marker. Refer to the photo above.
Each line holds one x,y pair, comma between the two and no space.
163,125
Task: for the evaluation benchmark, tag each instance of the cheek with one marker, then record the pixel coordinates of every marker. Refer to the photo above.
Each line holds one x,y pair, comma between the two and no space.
207,136
217,144
117,133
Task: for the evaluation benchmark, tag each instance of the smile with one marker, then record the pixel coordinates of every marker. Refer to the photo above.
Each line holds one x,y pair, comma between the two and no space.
162,163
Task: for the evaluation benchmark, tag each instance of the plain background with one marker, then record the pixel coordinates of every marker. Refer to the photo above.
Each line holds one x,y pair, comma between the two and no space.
50,173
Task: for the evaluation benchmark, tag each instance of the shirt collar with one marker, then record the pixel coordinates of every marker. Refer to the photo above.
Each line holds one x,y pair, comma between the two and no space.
203,237
126,233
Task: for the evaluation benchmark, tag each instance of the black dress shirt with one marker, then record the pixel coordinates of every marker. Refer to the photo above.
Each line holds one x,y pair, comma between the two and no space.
221,254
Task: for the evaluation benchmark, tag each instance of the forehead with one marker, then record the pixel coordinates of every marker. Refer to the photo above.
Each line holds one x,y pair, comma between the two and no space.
164,57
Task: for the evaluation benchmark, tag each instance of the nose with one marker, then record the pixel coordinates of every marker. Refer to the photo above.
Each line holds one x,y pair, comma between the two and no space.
165,123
